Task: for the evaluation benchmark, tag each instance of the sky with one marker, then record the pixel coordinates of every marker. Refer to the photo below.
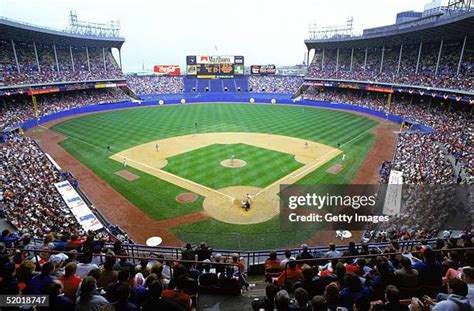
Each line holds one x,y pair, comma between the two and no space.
165,31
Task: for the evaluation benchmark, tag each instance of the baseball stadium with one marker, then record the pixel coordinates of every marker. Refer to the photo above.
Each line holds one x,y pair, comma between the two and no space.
169,189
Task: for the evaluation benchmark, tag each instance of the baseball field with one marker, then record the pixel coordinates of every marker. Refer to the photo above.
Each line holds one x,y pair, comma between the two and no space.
188,167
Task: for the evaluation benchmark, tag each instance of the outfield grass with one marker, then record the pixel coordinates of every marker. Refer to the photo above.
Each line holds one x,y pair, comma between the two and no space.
203,166
122,129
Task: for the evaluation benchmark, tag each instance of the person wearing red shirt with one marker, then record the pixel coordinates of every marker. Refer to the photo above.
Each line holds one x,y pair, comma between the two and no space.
70,281
293,273
272,264
178,295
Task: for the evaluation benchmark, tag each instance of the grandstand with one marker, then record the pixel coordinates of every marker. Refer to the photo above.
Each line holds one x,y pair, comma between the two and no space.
415,78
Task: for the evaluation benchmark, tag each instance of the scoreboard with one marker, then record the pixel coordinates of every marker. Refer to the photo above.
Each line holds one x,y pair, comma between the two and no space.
214,66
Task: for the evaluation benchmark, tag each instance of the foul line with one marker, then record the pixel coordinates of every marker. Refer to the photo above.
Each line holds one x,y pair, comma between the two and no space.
311,166
174,176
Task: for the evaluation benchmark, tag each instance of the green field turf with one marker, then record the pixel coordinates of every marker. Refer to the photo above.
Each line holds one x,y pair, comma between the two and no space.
90,134
203,166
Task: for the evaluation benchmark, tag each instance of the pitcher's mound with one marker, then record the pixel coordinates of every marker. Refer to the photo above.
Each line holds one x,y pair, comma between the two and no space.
187,197
335,169
233,163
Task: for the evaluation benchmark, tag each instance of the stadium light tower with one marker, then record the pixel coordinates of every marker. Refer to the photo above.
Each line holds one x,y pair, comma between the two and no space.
106,30
328,32
459,6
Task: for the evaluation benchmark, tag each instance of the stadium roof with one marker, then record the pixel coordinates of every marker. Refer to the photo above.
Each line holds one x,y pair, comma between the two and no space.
433,28
17,31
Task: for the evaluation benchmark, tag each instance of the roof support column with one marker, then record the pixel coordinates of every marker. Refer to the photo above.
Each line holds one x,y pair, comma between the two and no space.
16,57
120,58
419,56
439,57
307,58
322,61
88,60
72,58
36,55
365,59
400,58
461,56
103,56
56,57
337,60
381,60
352,59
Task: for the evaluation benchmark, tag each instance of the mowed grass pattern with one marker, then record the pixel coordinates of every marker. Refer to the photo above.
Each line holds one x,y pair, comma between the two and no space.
122,129
203,166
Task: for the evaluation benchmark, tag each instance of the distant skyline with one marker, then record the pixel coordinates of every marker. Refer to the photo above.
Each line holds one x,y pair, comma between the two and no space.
165,31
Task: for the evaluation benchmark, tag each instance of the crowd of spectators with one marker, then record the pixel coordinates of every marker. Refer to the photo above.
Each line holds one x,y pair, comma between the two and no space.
29,200
18,109
87,274
146,85
275,84
446,77
423,157
65,69
427,278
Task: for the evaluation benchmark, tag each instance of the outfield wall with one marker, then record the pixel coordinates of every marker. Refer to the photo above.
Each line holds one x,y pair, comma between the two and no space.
152,100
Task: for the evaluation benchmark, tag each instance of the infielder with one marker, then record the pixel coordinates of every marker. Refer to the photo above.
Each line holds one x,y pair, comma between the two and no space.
157,147
125,162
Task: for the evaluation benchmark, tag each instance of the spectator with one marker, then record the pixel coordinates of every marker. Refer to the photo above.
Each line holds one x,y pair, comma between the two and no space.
56,300
332,252
304,255
301,301
392,301
107,273
429,270
85,265
156,302
290,276
70,281
456,299
406,276
355,292
39,283
89,299
177,295
267,303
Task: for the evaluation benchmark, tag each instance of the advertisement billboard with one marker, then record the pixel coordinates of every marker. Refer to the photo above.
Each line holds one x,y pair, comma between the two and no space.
263,69
168,70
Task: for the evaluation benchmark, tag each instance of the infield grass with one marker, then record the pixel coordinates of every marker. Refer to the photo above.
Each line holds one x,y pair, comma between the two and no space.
203,166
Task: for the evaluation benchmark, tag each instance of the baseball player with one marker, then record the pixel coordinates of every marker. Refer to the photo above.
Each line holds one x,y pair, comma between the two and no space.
125,162
344,157
157,147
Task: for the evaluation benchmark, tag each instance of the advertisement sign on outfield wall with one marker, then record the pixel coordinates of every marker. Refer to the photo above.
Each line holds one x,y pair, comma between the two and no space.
263,69
167,70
